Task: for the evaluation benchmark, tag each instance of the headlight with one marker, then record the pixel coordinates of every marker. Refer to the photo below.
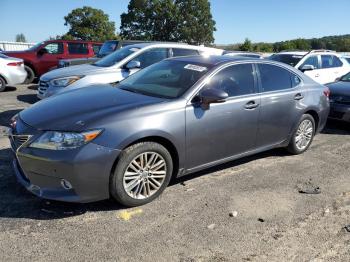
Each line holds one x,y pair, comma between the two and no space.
64,81
54,140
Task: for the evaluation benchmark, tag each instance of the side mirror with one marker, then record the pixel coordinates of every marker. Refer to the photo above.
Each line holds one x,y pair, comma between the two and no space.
133,64
42,51
307,68
212,95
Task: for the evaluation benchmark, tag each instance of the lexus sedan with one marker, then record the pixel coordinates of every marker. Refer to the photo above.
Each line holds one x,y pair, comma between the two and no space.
171,119
340,99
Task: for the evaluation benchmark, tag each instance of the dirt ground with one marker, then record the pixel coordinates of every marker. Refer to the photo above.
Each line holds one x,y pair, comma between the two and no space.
245,210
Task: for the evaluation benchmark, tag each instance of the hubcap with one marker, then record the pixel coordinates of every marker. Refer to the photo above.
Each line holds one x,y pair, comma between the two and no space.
304,134
144,175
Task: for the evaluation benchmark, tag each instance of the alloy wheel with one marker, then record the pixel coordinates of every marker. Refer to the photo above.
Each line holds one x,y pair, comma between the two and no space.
304,134
144,175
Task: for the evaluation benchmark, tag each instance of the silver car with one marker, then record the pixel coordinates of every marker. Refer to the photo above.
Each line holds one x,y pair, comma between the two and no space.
115,67
12,71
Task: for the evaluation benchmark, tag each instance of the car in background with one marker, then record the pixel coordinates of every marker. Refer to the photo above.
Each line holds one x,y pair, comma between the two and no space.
173,118
12,71
244,54
323,66
116,66
347,58
108,47
44,56
340,99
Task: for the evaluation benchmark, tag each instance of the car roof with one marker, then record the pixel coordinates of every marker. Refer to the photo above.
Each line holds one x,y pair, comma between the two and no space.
292,53
212,60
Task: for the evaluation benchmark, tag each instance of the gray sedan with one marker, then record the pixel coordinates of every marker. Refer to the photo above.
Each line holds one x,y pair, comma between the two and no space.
171,119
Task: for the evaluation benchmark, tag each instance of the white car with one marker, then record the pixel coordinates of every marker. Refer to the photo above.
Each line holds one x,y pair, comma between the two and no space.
347,58
323,66
116,66
12,71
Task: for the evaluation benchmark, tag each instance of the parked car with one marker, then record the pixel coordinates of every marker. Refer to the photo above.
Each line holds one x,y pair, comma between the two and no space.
347,58
172,118
324,66
44,56
12,71
244,54
115,67
340,99
107,48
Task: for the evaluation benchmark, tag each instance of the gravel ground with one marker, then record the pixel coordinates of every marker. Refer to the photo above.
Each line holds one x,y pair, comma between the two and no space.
246,210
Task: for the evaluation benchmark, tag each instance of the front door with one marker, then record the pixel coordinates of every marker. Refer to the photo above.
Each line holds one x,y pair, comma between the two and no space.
225,129
50,59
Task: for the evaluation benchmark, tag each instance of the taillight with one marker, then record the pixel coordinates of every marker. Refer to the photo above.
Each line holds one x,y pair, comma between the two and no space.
327,92
15,64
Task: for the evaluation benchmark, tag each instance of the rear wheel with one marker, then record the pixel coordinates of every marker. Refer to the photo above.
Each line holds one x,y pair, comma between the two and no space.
2,84
303,135
142,173
30,75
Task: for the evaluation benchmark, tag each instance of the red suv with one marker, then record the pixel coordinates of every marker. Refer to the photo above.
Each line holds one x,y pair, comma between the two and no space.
44,56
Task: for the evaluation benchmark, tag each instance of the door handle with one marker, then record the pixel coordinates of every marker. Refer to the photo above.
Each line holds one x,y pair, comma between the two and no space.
251,105
298,96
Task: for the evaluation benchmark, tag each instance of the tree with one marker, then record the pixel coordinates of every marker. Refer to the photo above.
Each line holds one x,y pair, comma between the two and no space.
187,21
20,38
88,23
246,46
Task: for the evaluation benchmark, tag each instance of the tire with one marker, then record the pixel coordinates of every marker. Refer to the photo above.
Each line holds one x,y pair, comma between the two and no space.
30,75
129,185
2,84
302,136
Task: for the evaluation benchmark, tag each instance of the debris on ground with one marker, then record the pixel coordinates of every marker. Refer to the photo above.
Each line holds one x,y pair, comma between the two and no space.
347,228
183,183
211,226
261,220
308,188
233,214
127,215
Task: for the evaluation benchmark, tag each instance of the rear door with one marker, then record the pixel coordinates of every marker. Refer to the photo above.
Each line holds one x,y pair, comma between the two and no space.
281,94
77,50
331,68
225,129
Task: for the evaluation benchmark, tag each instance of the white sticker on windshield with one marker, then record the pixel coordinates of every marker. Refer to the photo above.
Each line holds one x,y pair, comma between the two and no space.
195,67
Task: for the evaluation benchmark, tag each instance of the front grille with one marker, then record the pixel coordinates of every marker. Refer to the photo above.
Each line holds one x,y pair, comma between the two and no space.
43,86
19,140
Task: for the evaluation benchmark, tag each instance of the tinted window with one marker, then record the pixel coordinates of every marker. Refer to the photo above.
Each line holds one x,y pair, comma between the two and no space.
329,61
289,59
274,78
54,48
108,47
152,56
78,48
169,79
184,52
312,60
337,62
96,48
235,80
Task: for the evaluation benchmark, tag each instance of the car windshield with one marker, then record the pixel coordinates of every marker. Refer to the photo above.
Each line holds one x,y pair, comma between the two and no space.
34,47
107,48
345,78
289,59
167,79
116,56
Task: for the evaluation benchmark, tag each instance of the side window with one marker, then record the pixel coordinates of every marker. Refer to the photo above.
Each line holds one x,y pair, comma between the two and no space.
96,48
312,60
184,52
274,78
337,62
78,48
295,80
152,56
330,61
54,48
235,80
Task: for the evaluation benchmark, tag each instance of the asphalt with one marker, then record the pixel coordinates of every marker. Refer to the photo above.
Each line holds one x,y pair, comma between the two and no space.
245,210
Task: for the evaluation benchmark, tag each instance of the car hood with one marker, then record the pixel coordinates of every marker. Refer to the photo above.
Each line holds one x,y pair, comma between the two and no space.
340,88
77,70
77,110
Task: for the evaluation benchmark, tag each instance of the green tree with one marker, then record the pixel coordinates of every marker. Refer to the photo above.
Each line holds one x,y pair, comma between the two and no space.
20,38
88,23
246,46
187,21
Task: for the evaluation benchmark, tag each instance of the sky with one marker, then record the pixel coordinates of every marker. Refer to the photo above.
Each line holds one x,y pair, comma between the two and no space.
258,20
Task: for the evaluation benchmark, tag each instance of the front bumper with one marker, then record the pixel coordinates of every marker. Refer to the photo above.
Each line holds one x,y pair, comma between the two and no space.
87,169
340,112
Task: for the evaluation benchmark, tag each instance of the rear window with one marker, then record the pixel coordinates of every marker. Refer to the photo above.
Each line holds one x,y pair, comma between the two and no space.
329,61
288,59
78,48
274,78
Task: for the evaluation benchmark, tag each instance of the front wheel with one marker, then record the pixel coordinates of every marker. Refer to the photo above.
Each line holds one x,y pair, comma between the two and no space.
141,175
2,84
303,135
30,75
